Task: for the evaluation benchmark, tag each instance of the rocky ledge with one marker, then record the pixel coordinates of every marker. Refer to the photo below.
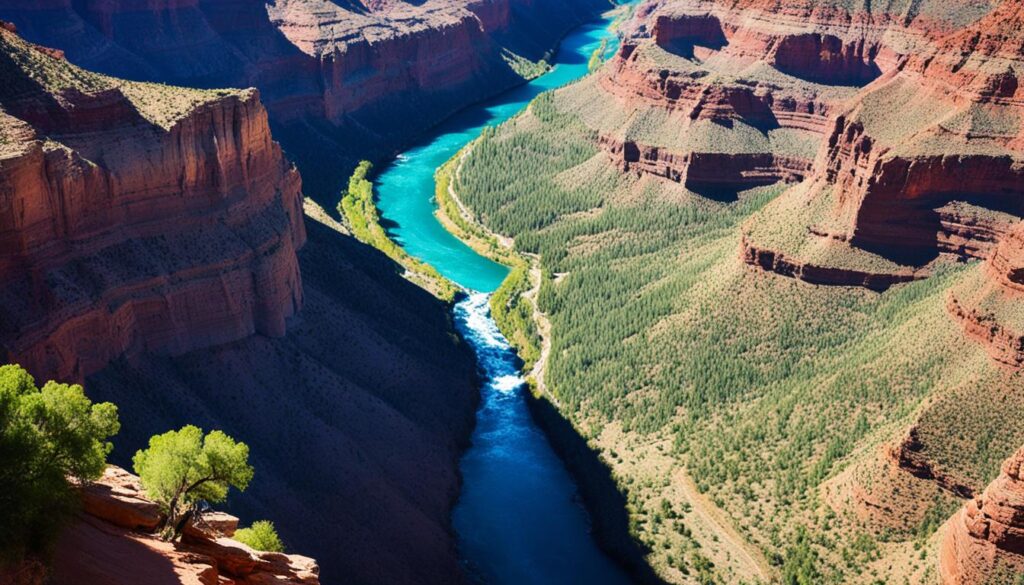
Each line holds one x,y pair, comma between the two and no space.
777,262
984,542
112,543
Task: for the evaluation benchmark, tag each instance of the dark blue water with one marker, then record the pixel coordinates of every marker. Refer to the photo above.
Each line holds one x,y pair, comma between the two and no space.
405,188
519,520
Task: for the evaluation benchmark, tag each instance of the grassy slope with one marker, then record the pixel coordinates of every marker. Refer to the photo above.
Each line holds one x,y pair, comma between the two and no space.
673,356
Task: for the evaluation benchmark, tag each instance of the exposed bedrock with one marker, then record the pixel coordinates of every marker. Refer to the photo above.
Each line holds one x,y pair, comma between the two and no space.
1006,263
775,261
826,58
705,173
681,33
341,80
637,80
112,543
984,541
122,236
900,204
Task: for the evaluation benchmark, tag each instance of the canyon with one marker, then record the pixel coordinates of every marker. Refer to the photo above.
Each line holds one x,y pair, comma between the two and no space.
800,224
156,247
342,81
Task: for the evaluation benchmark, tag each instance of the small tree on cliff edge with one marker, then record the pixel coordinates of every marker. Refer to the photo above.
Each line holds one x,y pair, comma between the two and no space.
181,467
47,435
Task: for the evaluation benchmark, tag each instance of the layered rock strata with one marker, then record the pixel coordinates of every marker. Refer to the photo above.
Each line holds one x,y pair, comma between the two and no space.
929,159
136,218
342,80
984,542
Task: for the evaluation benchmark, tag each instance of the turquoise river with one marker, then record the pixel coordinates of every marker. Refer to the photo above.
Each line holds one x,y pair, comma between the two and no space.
519,520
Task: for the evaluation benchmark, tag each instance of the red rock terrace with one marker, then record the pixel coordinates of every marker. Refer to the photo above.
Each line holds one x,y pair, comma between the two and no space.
153,245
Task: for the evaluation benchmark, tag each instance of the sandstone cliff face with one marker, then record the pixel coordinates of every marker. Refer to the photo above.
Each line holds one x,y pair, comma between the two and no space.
112,543
136,221
984,542
150,246
342,80
942,127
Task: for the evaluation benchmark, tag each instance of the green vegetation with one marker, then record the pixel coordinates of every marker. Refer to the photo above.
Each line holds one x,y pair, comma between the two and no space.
524,67
48,435
513,313
182,467
511,309
260,536
359,210
598,56
800,564
766,388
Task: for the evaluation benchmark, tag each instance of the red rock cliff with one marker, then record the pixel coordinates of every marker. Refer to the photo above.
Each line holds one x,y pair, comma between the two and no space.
136,218
984,542
342,80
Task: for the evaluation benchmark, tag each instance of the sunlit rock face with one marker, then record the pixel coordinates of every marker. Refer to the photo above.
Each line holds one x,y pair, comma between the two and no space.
342,80
137,218
984,542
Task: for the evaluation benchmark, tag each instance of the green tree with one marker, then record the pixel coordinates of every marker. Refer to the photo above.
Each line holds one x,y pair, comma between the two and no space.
261,536
47,436
800,564
181,467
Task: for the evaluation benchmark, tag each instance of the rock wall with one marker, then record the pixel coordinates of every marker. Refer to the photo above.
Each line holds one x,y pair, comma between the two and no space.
342,81
121,236
984,542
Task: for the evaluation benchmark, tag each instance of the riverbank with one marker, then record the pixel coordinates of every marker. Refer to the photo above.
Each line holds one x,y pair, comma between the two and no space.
601,495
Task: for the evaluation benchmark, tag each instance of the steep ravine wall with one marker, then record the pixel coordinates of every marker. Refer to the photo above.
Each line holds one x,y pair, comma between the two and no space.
153,245
133,238
341,82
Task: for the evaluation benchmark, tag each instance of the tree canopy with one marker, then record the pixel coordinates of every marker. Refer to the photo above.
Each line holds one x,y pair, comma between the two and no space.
47,435
181,467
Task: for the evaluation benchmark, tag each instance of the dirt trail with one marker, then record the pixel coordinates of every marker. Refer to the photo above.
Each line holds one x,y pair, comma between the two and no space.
748,560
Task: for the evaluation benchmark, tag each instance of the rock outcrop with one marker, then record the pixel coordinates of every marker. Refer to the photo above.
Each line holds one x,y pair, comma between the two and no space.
929,158
907,455
342,80
136,218
984,542
153,245
777,262
107,546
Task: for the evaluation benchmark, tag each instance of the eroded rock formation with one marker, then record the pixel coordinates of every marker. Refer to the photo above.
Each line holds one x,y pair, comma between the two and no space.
150,246
113,543
984,542
342,80
137,218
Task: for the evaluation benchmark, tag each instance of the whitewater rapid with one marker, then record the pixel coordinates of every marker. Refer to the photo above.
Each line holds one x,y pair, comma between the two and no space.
519,517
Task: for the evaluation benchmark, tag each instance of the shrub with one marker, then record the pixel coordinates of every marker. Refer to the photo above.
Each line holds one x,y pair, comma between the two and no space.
182,467
260,536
